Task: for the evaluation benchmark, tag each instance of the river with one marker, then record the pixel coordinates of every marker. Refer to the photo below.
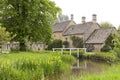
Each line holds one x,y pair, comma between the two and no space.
81,68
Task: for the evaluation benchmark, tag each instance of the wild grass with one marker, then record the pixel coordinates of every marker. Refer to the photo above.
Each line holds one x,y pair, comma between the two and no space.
33,65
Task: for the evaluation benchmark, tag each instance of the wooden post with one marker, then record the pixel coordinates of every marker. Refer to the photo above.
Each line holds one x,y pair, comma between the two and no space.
0,48
85,65
61,50
78,65
78,53
53,50
85,50
70,51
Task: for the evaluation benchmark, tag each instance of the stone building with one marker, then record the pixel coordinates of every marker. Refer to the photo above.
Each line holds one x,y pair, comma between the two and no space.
91,32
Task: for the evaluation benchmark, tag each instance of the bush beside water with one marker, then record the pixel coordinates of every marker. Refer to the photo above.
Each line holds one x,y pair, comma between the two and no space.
108,57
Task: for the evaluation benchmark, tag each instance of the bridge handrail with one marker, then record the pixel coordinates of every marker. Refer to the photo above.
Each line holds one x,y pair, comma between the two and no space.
69,50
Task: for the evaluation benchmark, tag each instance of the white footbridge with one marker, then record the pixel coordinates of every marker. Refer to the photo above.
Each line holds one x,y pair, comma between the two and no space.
70,50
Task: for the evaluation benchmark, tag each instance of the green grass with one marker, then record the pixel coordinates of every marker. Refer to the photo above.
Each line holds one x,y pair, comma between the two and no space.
109,57
33,65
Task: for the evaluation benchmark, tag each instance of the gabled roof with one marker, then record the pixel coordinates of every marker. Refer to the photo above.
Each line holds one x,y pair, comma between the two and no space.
59,27
78,28
100,35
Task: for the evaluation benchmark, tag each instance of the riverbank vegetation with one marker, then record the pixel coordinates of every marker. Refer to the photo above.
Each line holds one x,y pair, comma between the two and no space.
108,57
33,66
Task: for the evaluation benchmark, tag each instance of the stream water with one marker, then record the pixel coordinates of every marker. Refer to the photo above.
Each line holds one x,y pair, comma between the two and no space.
81,68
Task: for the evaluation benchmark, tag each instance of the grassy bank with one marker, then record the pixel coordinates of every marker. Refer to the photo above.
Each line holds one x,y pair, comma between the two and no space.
33,65
107,57
111,74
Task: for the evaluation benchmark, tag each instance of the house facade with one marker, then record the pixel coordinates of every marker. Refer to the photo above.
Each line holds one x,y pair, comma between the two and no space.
91,32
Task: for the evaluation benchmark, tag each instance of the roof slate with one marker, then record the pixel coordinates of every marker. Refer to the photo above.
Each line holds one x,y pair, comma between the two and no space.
78,28
100,35
59,27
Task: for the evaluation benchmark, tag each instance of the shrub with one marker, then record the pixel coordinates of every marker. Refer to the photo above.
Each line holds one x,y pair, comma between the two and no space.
108,57
106,48
77,42
117,50
66,44
55,44
109,45
81,52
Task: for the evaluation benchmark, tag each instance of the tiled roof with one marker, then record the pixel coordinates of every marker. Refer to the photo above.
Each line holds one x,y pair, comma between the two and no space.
78,28
100,35
58,27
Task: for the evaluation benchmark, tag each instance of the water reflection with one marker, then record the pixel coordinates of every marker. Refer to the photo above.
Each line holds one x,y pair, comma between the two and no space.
81,68
87,66
78,65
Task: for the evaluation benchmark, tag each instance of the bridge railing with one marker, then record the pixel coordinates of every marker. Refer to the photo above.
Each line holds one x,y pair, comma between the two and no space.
70,50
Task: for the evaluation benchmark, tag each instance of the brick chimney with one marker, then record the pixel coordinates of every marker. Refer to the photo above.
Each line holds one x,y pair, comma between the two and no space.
83,19
72,16
94,18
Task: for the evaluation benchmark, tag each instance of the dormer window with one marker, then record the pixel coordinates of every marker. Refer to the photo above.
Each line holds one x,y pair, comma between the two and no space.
72,28
66,39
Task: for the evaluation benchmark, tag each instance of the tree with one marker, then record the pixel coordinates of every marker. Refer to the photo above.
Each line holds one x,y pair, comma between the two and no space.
77,42
106,25
109,44
5,36
62,17
117,42
30,20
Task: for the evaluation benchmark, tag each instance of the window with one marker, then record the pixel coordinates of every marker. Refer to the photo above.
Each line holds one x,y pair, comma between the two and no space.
72,28
66,39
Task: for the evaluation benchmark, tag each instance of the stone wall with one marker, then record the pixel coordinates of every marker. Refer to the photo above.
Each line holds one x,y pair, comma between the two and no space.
57,35
15,45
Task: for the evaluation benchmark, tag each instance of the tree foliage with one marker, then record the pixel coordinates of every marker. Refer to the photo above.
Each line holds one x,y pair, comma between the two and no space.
30,20
109,44
5,36
106,24
117,42
77,42
62,17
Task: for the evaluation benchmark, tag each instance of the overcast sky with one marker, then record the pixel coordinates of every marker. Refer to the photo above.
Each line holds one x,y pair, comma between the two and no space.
106,10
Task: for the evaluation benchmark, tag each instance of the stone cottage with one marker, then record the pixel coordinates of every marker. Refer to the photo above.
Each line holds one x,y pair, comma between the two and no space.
91,32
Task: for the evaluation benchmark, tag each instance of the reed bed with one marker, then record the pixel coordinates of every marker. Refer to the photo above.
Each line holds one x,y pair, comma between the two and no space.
33,65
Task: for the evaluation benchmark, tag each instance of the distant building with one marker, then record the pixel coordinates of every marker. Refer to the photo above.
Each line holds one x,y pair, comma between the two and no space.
91,32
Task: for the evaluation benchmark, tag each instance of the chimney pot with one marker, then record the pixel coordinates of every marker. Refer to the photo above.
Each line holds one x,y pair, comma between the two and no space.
72,16
94,18
83,19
